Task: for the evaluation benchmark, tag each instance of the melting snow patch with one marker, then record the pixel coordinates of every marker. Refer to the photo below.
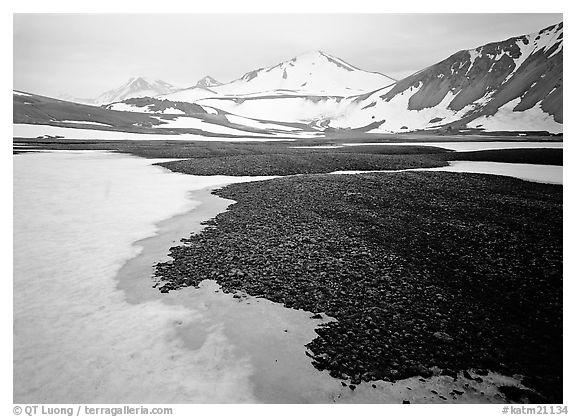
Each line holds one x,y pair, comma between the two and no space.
257,123
195,123
129,108
506,119
172,110
34,131
474,54
84,122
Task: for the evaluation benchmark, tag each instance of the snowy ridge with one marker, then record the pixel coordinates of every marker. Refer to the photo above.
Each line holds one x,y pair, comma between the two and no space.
309,88
311,73
501,79
136,87
207,81
506,119
133,88
399,118
189,95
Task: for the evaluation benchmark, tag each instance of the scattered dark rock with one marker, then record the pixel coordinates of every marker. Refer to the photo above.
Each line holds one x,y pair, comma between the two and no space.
520,395
289,162
443,337
423,371
396,260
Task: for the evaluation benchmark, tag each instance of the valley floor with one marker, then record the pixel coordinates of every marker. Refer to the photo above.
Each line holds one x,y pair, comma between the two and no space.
420,270
425,273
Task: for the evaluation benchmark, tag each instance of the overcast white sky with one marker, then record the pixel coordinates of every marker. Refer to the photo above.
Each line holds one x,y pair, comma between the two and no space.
86,54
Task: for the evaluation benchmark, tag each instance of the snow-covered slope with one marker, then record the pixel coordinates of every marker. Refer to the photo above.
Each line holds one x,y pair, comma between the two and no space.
282,107
314,73
133,88
189,95
488,87
146,117
306,89
512,85
136,87
207,82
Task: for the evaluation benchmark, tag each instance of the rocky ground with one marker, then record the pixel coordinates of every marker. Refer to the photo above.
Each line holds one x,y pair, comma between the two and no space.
516,156
420,270
281,158
290,164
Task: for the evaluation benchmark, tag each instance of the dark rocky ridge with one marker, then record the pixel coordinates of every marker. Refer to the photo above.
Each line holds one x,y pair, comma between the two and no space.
159,105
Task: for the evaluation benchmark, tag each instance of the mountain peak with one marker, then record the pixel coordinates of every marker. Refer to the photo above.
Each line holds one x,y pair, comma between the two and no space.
315,72
207,81
146,81
136,87
312,54
319,57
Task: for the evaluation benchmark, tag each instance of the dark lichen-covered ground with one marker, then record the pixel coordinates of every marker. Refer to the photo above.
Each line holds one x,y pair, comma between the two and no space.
420,269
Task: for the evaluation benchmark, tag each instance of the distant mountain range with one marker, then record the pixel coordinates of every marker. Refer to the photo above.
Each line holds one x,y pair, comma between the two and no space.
134,87
510,85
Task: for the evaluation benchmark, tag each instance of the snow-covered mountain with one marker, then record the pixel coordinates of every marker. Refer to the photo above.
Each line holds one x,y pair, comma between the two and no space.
302,89
148,118
136,87
512,85
314,73
207,82
133,88
189,95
